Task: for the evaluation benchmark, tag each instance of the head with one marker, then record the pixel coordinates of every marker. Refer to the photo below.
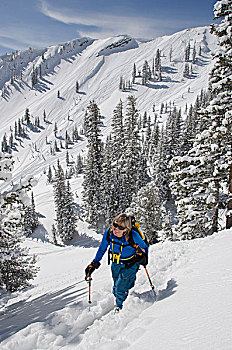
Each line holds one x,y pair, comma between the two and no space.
123,220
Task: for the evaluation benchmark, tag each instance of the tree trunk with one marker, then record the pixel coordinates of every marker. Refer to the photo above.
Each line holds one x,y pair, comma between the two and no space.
229,205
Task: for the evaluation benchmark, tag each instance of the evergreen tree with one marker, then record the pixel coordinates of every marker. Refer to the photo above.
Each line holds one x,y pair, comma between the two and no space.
49,175
77,87
194,54
17,268
30,218
35,219
70,217
109,185
187,52
93,170
160,171
15,130
79,165
67,158
134,74
202,175
54,234
132,164
27,116
154,140
4,144
67,139
34,77
55,129
64,206
44,116
186,72
75,135
19,127
11,141
146,73
145,207
117,132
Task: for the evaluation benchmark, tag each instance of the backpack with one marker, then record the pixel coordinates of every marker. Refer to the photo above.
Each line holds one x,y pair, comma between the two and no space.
136,227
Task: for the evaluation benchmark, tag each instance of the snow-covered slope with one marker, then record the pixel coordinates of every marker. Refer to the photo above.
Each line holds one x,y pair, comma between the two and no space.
193,310
97,66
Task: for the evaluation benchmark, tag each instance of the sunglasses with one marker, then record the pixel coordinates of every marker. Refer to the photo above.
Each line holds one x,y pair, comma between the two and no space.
121,228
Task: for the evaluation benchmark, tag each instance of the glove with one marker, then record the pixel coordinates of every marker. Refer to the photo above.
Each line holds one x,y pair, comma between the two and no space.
142,259
90,268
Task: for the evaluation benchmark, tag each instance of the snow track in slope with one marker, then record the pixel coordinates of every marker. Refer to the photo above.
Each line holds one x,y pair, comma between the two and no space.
56,310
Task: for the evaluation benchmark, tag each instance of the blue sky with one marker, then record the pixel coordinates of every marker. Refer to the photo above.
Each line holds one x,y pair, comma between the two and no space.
40,23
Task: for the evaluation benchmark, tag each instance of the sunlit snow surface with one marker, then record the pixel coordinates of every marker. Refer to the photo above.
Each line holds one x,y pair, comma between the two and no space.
193,308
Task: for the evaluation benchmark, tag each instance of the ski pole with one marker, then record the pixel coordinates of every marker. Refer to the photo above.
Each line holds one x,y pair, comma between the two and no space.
89,282
151,284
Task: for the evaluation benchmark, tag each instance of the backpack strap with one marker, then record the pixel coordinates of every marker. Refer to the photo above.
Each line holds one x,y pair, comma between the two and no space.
109,240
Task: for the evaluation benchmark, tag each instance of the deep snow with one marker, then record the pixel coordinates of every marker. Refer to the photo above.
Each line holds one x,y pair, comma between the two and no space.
193,308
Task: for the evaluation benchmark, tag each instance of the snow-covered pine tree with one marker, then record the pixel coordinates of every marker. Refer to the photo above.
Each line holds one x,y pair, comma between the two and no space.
132,164
17,268
172,134
109,186
30,217
146,73
79,165
221,112
77,87
11,141
154,141
27,116
187,52
200,179
147,141
117,132
186,72
93,170
35,219
157,60
60,196
160,169
70,216
4,144
194,54
134,74
145,207
55,129
49,175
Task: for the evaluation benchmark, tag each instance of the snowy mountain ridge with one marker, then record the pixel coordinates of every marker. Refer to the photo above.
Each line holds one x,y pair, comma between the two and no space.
97,65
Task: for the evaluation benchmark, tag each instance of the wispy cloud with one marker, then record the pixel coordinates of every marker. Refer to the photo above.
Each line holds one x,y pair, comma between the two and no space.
100,24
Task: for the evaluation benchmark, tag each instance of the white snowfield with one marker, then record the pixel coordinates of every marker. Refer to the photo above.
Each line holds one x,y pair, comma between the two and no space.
193,310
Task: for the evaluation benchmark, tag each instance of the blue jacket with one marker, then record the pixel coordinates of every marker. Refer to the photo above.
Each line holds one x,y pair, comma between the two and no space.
126,250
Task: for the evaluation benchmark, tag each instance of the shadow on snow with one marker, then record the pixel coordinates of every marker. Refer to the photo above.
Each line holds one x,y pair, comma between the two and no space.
21,314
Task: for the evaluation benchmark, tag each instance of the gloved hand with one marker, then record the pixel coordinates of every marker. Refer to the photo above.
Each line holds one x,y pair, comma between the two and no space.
142,259
90,268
